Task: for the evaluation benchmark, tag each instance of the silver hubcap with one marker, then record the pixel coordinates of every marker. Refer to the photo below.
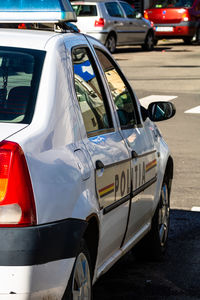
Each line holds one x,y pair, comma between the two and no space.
163,220
81,285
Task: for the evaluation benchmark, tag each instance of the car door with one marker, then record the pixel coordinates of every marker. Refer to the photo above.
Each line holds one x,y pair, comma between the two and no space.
117,21
136,27
140,145
107,150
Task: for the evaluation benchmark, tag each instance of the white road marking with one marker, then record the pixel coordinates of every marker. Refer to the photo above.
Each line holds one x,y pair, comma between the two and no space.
195,208
194,110
155,98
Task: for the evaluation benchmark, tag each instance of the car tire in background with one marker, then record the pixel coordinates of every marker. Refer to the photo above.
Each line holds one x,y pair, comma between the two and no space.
80,282
188,40
149,42
197,36
153,245
111,42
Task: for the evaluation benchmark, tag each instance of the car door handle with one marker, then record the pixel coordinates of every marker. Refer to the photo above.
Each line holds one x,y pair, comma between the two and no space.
99,165
134,154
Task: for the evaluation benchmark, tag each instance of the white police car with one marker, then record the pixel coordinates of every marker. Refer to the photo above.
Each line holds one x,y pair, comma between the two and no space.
84,172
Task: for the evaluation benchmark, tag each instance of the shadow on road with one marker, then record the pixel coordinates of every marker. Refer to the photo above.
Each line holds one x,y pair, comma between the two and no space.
176,276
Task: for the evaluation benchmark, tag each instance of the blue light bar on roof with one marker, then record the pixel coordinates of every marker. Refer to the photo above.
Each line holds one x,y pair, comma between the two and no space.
36,11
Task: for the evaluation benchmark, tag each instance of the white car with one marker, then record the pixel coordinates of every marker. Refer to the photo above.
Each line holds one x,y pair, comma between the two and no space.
114,23
85,174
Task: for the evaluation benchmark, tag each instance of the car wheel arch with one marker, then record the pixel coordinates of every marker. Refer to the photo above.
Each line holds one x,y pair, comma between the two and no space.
169,171
145,45
111,34
91,237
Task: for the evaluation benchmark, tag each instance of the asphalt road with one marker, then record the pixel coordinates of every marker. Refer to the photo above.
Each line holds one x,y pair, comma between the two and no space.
172,70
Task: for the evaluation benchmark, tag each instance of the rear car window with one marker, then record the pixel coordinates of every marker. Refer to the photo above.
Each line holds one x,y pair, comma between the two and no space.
114,9
20,72
130,12
82,10
172,3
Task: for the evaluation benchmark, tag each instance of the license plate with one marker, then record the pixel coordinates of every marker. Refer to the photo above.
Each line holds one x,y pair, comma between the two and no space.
164,29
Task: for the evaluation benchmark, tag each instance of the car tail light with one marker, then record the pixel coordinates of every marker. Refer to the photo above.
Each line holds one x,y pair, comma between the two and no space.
146,15
22,26
99,23
186,16
17,206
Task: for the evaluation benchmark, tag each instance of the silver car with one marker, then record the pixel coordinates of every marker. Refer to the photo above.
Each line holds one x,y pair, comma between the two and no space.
114,23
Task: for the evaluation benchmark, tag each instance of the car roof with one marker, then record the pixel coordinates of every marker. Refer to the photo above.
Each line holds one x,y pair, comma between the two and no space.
32,39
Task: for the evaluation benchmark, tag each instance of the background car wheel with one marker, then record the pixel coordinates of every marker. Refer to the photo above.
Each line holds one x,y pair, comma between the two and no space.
188,40
149,42
198,35
80,283
153,245
111,43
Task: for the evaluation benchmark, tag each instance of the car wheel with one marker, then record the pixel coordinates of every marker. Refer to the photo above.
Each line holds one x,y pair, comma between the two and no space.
149,42
154,243
80,283
188,40
111,43
198,35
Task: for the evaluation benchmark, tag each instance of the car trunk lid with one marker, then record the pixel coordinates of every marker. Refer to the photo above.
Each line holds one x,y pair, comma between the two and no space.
166,15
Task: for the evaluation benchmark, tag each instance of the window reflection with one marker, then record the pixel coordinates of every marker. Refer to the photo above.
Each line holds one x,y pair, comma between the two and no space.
119,92
88,92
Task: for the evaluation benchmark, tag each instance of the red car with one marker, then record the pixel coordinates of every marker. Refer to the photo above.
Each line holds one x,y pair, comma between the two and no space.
179,19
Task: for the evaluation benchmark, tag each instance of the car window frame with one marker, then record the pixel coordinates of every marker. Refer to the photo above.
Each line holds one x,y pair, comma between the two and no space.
122,76
102,90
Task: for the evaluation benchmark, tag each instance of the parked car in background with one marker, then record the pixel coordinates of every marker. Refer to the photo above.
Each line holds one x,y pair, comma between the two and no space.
114,23
175,19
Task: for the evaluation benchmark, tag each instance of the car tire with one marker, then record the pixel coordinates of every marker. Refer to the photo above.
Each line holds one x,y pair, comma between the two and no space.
197,36
188,40
80,282
154,244
149,42
111,43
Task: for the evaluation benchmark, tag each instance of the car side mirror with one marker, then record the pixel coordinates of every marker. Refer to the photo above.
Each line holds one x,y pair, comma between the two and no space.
160,111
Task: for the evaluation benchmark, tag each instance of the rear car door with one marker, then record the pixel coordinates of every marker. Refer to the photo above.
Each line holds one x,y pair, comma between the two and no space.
140,145
135,30
117,21
106,149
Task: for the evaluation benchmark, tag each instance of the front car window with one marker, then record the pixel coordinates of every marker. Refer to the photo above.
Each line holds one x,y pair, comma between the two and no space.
90,93
20,71
120,92
172,3
114,9
83,10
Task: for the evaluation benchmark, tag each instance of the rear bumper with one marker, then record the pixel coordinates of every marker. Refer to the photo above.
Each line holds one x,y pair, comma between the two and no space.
41,244
180,30
100,36
36,262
